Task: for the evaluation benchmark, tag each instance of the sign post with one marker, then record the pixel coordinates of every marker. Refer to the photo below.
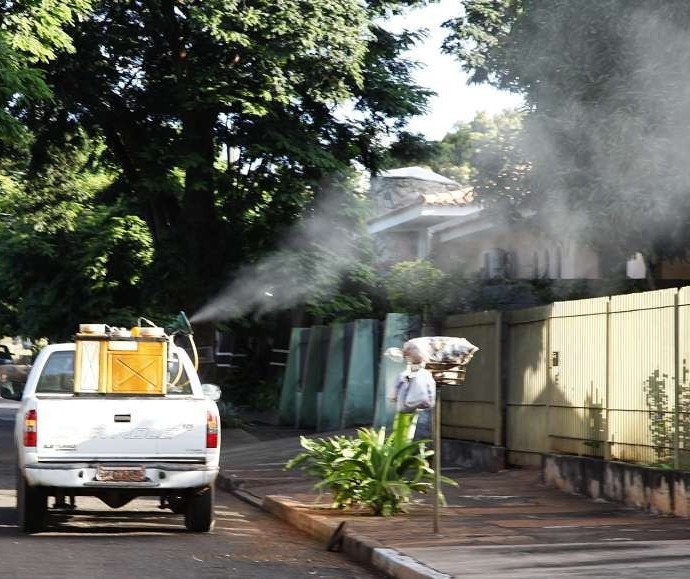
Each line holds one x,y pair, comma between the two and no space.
436,427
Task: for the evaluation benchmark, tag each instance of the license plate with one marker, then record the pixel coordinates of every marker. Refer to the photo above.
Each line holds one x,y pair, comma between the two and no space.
120,474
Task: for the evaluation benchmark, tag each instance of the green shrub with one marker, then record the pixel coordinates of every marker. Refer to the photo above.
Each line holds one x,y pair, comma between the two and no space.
372,469
412,285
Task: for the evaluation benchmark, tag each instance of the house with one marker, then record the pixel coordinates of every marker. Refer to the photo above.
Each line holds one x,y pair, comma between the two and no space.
408,203
419,213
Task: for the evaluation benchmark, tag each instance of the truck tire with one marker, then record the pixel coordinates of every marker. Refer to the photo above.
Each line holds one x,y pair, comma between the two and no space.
198,517
32,506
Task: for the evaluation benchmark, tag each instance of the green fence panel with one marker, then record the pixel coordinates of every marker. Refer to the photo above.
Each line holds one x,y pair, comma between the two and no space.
313,376
358,405
292,379
334,382
398,328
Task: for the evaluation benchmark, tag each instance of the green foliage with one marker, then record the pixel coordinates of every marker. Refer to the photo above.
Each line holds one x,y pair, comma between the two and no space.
30,33
373,470
487,154
411,149
258,395
169,86
230,416
412,285
181,141
459,292
660,417
64,257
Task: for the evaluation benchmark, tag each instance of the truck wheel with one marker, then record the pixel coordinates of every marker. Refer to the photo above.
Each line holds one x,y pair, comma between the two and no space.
199,515
32,506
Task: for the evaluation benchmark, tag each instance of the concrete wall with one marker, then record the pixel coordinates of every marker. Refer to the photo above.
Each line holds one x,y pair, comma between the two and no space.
532,254
472,455
659,491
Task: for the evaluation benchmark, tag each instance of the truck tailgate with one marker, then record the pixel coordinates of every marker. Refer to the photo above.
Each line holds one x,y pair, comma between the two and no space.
121,429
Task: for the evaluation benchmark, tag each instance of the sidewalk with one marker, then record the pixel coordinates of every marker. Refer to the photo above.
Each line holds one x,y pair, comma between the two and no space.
495,523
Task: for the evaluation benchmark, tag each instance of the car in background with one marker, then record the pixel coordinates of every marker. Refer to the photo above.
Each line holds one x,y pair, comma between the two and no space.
5,355
12,380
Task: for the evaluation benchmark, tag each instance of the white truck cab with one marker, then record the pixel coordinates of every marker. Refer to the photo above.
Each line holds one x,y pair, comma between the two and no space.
116,447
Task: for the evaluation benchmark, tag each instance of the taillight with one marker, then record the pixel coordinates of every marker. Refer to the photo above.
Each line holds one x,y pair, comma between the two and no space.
30,428
211,430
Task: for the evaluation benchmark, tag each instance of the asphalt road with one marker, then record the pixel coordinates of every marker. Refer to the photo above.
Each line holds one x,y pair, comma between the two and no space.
141,541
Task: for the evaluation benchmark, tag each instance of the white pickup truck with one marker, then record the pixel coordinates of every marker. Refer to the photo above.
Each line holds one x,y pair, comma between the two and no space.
115,447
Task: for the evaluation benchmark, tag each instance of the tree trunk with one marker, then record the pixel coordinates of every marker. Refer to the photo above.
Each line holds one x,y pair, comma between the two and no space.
199,228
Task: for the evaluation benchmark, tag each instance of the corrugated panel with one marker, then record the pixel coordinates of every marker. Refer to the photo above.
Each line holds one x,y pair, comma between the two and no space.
577,417
481,374
641,375
528,381
473,409
684,376
640,436
528,376
473,414
526,429
468,433
571,308
644,300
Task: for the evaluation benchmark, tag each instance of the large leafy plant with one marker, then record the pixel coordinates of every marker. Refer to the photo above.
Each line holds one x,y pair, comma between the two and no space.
373,470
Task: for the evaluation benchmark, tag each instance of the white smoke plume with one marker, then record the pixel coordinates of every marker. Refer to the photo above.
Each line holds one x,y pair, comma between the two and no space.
629,142
309,264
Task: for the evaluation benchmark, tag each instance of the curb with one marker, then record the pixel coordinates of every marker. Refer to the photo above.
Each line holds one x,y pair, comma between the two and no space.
335,534
234,486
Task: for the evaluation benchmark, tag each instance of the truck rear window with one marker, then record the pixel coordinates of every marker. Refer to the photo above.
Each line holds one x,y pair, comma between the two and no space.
178,382
57,376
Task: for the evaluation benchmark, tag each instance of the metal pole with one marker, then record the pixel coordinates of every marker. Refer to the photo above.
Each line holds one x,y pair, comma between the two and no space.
676,393
437,458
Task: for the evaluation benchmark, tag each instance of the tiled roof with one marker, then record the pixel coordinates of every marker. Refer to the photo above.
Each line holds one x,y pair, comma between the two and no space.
457,197
416,173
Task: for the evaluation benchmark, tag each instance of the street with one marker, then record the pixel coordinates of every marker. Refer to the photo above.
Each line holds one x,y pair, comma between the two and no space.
142,541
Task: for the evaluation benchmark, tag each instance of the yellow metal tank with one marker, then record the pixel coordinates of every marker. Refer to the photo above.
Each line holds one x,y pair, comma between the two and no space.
116,362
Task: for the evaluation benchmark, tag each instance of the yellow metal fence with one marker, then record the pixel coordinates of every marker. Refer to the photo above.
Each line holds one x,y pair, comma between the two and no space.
606,377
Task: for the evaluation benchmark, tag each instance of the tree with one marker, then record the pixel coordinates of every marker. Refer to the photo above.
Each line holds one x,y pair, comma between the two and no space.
65,256
30,33
486,154
412,286
500,172
168,86
609,109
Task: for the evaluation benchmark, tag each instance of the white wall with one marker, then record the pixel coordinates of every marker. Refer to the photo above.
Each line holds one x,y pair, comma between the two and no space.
532,255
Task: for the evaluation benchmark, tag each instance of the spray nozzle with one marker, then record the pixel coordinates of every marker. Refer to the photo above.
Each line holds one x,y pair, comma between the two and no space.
180,326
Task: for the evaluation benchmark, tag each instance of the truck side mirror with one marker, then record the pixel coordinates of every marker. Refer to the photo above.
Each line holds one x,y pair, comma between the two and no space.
211,391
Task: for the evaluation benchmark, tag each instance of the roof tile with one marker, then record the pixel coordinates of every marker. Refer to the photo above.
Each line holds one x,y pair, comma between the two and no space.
457,197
